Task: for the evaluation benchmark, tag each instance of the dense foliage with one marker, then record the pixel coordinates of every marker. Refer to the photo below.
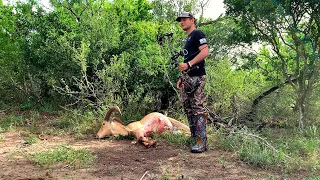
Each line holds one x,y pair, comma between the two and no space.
85,56
95,54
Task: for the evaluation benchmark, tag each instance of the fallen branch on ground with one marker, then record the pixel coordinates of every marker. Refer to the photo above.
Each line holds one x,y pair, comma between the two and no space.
144,175
265,142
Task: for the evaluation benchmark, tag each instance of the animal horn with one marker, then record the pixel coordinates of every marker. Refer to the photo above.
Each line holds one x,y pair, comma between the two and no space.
114,108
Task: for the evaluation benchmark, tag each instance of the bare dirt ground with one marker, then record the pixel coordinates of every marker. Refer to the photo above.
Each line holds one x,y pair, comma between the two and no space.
122,159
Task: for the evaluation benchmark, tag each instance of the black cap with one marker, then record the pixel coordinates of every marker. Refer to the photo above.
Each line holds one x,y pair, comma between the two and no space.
184,15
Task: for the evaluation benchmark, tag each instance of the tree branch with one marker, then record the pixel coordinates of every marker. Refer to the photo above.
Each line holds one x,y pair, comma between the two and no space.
203,4
210,22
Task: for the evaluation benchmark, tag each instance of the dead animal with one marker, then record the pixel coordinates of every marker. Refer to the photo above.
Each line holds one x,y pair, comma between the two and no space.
152,123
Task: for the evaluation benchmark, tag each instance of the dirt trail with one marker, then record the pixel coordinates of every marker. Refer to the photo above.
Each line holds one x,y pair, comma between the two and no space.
121,159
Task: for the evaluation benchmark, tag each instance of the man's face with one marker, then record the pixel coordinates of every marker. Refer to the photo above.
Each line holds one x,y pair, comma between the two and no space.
186,23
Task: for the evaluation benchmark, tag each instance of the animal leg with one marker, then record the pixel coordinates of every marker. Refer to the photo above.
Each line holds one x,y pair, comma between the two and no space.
147,143
144,140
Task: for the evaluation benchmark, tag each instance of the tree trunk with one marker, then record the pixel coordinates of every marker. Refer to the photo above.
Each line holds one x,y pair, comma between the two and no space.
250,115
302,106
301,116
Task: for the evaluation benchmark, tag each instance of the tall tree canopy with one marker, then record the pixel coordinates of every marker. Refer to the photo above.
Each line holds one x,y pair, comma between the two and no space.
291,29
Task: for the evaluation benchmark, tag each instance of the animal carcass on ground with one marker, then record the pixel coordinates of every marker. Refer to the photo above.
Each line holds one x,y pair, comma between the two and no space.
152,123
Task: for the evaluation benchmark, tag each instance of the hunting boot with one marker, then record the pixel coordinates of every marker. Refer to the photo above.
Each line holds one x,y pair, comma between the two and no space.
193,128
202,144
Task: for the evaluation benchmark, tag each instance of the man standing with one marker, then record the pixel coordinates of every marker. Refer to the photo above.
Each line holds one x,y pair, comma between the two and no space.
195,50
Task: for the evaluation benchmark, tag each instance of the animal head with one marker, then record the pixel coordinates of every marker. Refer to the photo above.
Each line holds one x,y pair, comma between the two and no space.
106,127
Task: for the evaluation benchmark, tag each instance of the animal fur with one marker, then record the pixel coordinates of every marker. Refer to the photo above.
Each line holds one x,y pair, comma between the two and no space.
152,123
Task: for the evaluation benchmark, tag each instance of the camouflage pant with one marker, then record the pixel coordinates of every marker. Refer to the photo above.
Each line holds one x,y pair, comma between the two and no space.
193,99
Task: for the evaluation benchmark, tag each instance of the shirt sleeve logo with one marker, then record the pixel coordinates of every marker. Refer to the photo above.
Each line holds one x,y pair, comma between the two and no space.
203,41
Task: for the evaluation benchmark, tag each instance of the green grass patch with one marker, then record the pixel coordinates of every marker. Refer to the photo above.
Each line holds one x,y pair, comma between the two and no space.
29,138
2,138
174,138
286,150
312,178
80,124
11,122
250,149
80,158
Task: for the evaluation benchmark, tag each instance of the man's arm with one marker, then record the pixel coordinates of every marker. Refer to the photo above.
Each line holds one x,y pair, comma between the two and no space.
204,52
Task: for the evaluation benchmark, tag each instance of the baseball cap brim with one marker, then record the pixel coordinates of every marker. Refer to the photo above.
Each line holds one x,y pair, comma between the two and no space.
184,15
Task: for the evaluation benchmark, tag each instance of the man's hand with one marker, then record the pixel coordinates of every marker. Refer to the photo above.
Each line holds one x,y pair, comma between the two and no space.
179,84
183,66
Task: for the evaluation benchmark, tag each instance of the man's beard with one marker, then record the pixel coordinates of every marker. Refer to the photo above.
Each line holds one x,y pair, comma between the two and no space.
187,28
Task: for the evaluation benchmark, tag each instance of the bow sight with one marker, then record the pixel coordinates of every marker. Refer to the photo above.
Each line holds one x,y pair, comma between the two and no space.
188,83
174,55
160,37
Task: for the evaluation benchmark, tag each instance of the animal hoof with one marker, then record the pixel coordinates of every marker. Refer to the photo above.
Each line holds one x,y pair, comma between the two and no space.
152,144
